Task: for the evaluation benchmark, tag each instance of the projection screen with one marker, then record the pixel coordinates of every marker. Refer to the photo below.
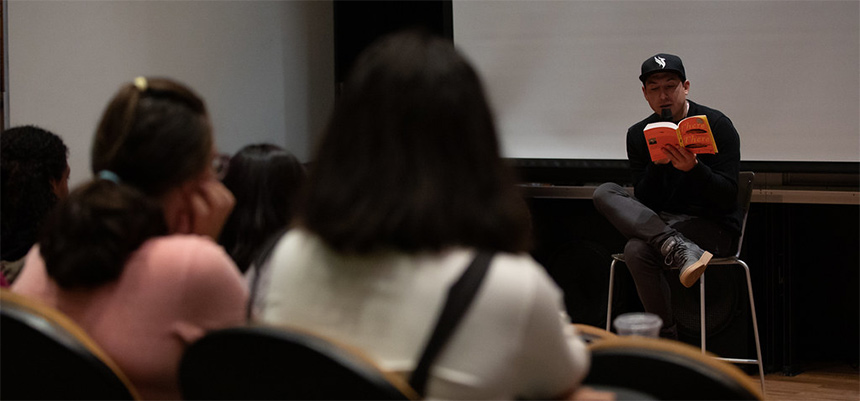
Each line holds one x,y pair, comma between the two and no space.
562,75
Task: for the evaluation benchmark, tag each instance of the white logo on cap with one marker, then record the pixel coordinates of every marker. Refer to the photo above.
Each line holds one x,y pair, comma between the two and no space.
661,61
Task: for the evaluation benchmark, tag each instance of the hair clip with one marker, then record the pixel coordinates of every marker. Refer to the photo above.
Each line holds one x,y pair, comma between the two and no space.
140,83
109,176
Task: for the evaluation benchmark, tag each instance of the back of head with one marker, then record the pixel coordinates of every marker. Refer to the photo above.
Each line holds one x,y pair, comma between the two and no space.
31,159
410,158
265,180
154,134
90,235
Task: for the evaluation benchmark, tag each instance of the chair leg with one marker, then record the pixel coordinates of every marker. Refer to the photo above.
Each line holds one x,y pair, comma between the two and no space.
702,325
609,301
758,359
755,325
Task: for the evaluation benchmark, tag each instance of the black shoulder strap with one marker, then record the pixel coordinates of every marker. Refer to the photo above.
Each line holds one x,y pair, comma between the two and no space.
460,296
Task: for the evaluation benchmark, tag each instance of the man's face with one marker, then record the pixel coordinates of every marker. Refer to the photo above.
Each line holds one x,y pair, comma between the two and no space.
665,90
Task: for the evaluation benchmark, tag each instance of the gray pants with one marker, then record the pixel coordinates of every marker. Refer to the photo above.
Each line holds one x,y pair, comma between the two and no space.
645,231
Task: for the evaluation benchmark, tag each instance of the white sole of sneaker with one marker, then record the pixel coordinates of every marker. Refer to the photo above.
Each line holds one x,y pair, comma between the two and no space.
692,273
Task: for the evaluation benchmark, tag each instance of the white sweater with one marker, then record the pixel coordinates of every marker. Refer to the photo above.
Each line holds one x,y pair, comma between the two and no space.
513,342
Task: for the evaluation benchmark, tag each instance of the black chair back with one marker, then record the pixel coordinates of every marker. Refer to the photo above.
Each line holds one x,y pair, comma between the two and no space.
666,370
45,356
268,363
745,189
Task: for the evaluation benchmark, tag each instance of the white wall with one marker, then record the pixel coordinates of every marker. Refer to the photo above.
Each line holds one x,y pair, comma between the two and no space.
563,75
265,68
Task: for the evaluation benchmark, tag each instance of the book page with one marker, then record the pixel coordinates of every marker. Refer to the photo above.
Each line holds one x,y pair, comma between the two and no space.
658,135
696,135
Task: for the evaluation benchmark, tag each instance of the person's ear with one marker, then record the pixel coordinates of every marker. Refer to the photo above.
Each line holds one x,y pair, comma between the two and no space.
60,187
55,186
686,87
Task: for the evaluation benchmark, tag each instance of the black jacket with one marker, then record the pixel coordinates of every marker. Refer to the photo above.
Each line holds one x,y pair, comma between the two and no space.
709,190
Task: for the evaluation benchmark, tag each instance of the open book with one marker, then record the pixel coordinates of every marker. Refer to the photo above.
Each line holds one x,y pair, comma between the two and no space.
692,133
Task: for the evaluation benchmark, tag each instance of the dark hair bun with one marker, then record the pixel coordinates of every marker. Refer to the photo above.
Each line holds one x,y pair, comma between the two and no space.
88,238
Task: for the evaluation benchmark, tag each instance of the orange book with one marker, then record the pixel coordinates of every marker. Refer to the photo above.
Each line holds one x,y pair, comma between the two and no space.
692,133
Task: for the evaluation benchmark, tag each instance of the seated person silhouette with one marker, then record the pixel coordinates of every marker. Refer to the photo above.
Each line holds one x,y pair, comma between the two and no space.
684,207
130,256
406,187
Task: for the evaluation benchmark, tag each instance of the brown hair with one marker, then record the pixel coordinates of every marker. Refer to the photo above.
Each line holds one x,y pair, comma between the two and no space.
410,158
154,134
90,235
265,179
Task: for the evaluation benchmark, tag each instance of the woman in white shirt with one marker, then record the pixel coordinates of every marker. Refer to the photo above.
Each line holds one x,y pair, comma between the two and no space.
406,186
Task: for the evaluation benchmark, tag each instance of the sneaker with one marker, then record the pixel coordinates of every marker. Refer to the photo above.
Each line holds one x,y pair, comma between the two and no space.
683,254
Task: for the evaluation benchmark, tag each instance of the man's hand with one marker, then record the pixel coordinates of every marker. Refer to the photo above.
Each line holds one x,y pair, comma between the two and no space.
680,158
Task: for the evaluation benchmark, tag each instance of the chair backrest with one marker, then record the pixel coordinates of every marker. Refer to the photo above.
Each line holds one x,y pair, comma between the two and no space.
266,363
666,370
45,355
745,189
590,334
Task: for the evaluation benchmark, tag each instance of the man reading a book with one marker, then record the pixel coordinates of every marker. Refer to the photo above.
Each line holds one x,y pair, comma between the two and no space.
684,207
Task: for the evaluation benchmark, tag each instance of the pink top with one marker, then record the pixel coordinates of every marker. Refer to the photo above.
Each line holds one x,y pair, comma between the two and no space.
171,291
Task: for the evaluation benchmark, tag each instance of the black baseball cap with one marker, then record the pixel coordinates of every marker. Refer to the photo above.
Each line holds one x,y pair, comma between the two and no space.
662,62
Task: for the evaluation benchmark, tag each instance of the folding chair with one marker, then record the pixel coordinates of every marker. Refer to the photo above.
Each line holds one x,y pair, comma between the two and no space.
666,370
45,355
274,363
590,334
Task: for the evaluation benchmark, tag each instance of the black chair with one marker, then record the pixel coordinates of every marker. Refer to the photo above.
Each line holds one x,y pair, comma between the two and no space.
46,356
268,363
590,334
666,370
745,188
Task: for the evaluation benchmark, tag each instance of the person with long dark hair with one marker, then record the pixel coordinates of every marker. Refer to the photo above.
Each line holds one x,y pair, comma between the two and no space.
131,256
265,179
407,185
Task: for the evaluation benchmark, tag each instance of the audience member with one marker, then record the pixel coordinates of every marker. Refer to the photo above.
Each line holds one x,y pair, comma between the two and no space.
264,178
35,175
407,185
130,256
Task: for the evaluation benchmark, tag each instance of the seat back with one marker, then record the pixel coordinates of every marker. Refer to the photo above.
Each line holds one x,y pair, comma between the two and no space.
590,334
45,355
745,189
266,363
666,370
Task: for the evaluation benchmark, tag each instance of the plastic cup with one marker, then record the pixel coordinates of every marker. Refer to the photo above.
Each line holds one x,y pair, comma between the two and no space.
638,324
